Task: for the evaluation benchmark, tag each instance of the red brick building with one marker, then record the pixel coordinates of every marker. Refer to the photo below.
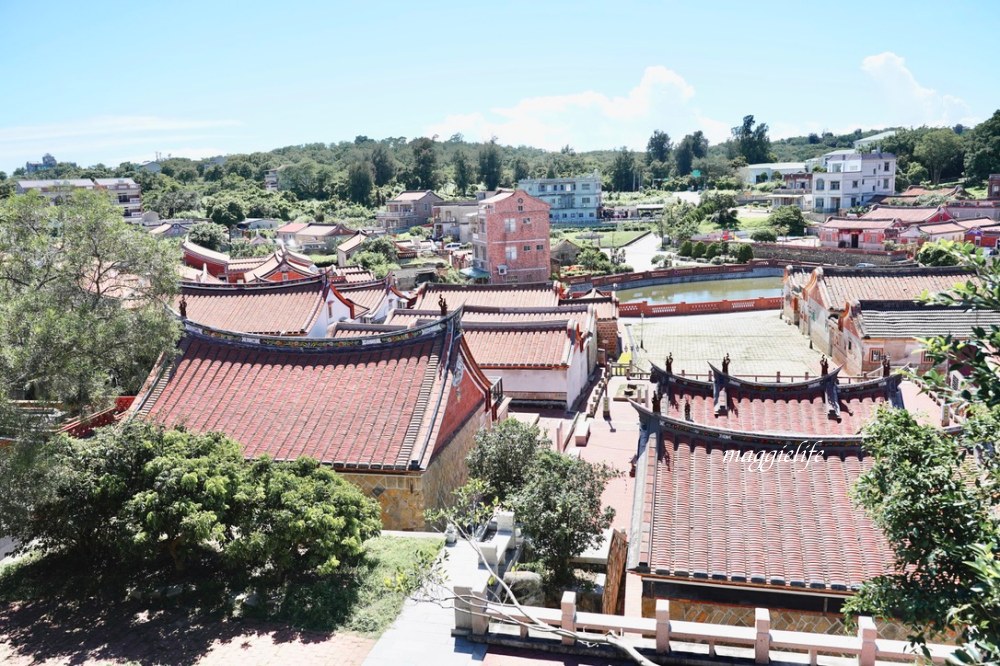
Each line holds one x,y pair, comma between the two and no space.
510,239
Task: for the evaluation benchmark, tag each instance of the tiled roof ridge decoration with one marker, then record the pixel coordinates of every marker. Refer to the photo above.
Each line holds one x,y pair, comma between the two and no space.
440,286
660,423
325,345
658,374
550,325
882,271
318,278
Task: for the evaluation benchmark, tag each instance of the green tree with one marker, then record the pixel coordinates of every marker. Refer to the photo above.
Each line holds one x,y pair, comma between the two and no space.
560,509
744,253
686,249
521,169
982,149
383,166
227,210
359,183
787,220
623,171
938,253
678,221
81,300
300,517
502,456
424,163
463,172
698,250
713,250
764,236
489,164
938,151
752,142
684,156
382,245
209,235
658,147
933,510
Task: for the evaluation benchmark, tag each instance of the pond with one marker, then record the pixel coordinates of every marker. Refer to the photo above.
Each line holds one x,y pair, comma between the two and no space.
710,290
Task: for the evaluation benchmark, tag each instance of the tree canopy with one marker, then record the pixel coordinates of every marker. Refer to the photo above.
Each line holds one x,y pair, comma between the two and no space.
500,454
752,142
82,295
490,165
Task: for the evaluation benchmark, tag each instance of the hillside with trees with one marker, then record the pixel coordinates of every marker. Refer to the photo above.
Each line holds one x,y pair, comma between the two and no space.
348,180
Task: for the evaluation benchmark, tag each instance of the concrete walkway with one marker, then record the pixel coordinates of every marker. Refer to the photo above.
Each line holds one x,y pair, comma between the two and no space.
422,632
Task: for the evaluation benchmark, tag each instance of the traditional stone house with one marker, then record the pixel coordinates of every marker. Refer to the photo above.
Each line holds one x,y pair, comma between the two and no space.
741,496
396,414
280,266
819,301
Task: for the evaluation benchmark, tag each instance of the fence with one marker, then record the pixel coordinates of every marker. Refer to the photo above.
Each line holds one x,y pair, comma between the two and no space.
473,615
644,309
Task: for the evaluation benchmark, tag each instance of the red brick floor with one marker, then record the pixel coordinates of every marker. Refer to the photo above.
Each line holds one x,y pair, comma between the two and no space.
44,634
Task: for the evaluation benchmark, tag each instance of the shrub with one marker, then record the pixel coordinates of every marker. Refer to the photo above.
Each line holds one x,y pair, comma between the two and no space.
717,261
698,250
685,249
500,454
209,235
764,236
744,253
713,250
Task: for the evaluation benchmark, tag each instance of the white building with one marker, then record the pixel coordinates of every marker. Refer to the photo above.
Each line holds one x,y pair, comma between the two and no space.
126,194
271,180
852,179
571,199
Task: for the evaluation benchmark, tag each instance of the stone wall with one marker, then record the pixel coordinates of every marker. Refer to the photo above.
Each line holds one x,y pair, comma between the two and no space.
784,620
448,470
825,255
400,496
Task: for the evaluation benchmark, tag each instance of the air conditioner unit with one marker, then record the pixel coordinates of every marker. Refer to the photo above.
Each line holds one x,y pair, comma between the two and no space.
502,269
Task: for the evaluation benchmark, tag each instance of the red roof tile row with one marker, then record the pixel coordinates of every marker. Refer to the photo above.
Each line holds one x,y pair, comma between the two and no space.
355,406
512,296
289,308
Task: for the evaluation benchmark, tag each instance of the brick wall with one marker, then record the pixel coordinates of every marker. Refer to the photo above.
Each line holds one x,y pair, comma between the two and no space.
782,620
607,337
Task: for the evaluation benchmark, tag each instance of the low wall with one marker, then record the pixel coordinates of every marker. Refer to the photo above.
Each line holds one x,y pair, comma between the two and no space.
644,309
584,283
826,255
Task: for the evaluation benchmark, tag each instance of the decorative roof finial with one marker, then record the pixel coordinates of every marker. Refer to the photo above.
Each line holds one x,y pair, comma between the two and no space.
443,304
183,307
725,365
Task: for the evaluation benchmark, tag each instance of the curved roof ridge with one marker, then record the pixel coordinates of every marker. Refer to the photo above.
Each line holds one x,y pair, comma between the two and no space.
322,345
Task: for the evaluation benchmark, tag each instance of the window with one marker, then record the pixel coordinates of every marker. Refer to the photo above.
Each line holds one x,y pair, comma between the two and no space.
834,184
885,167
511,224
585,186
541,188
526,248
511,252
526,220
820,185
819,203
586,200
520,209
854,184
877,355
539,247
885,183
592,215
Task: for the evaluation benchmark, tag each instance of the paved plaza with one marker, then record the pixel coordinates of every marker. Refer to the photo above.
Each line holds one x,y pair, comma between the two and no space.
759,343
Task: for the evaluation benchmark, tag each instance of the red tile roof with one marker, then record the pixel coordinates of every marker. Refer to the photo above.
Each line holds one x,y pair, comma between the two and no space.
477,313
367,296
353,242
855,223
352,405
352,274
515,296
544,344
792,409
289,308
840,286
789,525
292,227
606,306
906,214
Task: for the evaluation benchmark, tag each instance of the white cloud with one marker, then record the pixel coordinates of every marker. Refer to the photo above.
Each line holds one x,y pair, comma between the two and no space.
590,119
107,138
905,100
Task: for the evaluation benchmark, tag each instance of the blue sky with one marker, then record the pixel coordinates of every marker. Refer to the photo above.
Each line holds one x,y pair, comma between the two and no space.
106,82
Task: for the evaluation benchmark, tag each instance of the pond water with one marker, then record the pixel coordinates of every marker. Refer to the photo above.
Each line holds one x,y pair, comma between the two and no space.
710,290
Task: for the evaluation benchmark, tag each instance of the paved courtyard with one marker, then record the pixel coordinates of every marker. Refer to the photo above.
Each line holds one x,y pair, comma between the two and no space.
759,343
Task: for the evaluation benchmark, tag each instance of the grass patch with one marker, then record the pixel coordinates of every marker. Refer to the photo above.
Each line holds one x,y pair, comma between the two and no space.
604,238
358,598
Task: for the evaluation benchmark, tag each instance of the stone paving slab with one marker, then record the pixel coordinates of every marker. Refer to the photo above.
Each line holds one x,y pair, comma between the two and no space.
759,343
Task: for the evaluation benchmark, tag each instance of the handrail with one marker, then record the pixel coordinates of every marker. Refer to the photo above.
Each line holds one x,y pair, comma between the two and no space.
473,615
